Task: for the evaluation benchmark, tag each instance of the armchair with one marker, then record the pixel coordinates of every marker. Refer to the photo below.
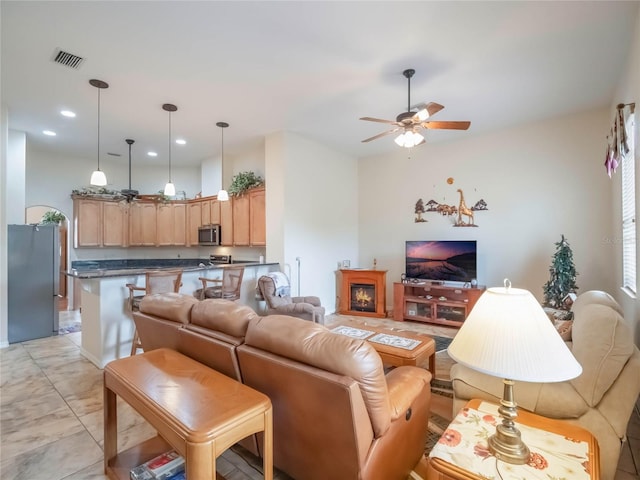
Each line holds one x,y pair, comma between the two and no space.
280,302
600,400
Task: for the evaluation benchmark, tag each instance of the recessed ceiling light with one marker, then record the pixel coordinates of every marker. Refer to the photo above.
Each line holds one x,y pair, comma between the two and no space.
67,113
180,141
49,133
152,154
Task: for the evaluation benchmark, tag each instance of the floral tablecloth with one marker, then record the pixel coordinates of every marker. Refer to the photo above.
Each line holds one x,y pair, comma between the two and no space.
553,456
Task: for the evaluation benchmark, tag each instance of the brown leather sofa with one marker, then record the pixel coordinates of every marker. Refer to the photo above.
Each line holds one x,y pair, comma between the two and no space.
336,414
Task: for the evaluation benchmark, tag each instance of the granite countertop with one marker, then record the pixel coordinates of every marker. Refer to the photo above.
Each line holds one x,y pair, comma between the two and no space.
128,267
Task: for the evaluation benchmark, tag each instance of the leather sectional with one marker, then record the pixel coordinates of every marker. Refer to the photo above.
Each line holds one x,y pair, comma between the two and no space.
337,415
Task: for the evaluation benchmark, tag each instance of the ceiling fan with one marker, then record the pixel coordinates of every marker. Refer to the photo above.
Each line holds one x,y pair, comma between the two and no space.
410,122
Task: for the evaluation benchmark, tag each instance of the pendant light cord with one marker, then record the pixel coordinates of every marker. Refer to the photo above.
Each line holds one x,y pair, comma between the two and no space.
222,154
169,147
99,128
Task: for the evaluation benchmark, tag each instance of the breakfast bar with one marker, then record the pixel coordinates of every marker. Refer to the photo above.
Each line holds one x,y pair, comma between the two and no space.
107,326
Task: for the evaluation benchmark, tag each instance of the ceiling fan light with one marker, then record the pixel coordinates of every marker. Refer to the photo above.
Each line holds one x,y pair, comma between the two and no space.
408,139
423,114
223,195
98,178
170,189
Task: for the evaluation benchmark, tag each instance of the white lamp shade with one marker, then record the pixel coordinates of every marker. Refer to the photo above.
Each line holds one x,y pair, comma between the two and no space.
170,189
223,195
508,335
98,178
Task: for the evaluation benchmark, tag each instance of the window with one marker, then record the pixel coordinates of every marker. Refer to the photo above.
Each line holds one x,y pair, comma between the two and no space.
629,210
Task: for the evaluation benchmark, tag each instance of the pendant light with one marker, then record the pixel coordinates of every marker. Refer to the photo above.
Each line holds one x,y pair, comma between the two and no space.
169,188
98,178
223,195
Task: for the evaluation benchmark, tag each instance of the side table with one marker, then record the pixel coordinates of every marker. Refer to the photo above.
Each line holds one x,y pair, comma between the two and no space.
558,449
197,411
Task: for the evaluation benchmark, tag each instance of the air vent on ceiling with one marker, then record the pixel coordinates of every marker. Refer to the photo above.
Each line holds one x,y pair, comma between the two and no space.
67,59
114,154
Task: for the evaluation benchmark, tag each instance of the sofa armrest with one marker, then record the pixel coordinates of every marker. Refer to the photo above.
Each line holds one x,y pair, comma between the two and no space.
293,308
404,385
315,301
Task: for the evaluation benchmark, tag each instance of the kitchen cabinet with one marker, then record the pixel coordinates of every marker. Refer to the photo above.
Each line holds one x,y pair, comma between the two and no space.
210,211
249,225
257,217
146,222
115,224
142,224
226,222
171,221
87,218
99,223
241,220
194,216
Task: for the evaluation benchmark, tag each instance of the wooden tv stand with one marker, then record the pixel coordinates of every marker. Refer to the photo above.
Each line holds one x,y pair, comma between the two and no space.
433,303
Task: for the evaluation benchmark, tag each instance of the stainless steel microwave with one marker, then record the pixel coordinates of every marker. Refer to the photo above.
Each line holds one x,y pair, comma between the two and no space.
209,235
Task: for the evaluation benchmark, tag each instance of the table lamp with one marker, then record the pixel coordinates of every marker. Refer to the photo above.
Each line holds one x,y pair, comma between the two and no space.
508,335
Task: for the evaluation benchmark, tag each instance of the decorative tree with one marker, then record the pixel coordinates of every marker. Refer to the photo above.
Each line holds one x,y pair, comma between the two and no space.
563,276
419,211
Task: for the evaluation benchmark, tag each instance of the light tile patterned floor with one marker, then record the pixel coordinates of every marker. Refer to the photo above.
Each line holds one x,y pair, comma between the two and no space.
51,413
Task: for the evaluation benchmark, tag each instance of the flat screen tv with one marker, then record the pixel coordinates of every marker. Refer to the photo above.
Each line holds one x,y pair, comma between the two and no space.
441,261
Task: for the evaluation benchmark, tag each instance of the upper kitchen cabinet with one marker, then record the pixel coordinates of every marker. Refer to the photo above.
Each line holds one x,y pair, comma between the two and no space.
171,221
257,217
142,224
226,222
194,220
100,223
210,211
249,225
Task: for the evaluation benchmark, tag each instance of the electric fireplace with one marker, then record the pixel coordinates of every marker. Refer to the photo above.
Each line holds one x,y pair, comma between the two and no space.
362,292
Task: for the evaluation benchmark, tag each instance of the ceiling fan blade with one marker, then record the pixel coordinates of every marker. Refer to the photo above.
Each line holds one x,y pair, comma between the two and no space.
446,125
431,107
389,132
379,120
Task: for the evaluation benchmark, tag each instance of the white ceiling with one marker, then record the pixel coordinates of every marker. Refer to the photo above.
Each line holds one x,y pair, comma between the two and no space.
309,67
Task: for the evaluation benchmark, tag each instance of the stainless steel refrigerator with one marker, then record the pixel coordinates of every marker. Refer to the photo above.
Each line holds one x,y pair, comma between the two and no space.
33,280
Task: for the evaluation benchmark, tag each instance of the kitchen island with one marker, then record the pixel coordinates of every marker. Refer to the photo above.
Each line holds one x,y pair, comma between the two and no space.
107,325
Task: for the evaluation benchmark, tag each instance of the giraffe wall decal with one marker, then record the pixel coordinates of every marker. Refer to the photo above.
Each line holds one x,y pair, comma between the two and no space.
464,210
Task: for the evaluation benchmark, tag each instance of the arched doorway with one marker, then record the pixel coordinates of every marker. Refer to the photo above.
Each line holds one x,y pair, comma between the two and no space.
38,214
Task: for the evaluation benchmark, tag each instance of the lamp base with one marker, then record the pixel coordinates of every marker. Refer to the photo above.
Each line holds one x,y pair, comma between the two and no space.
506,444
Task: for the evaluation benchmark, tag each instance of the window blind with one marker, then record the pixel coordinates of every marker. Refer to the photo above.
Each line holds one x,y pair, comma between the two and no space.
629,211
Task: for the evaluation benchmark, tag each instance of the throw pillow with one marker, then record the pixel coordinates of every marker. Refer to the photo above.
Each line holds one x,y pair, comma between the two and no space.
564,329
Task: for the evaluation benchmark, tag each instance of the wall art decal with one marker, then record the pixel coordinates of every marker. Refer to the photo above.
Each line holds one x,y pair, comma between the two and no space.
463,216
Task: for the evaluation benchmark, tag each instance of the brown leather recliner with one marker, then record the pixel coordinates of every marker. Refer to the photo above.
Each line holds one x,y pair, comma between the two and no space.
307,308
336,415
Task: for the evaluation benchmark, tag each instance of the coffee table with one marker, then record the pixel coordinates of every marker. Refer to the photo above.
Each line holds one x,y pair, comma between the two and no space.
395,347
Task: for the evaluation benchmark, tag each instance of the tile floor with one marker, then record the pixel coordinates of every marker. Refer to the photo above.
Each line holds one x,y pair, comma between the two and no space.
51,413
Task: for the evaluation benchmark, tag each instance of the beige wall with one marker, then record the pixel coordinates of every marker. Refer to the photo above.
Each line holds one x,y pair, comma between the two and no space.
540,181
312,212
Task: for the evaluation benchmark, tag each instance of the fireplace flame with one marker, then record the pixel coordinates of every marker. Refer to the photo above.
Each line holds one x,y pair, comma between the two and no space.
362,298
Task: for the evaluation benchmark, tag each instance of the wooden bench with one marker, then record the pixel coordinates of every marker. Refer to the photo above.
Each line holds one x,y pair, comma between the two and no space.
197,411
